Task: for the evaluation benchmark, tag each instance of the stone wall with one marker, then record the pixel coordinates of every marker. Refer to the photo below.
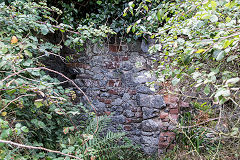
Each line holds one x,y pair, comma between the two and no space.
115,77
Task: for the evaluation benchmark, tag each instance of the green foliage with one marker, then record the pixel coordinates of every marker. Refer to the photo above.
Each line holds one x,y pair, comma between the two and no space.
199,38
197,43
34,109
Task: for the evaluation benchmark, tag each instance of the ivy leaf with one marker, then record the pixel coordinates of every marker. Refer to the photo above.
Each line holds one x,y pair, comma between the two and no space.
129,28
175,81
159,15
4,49
235,131
220,55
24,129
44,30
133,28
38,103
207,90
228,19
231,58
99,2
233,80
145,7
223,92
28,62
27,53
214,5
226,44
213,18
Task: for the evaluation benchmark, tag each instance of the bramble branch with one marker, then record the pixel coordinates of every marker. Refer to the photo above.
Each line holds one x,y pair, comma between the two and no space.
39,148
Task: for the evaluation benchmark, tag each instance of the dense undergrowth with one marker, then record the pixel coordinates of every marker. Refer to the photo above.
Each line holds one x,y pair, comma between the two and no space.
198,46
37,118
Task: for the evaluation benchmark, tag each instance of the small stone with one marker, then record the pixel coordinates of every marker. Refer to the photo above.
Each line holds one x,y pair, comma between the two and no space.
117,110
126,97
144,77
143,99
184,104
163,145
96,70
173,111
170,134
124,47
157,102
143,89
149,126
126,66
170,99
132,92
127,79
137,120
118,119
128,120
117,102
107,101
149,113
112,91
138,114
174,117
100,107
163,115
150,150
128,113
128,128
149,140
144,46
105,95
165,124
147,134
162,139
134,109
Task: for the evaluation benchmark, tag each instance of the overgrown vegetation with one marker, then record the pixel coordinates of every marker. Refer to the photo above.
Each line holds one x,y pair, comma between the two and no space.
198,46
35,110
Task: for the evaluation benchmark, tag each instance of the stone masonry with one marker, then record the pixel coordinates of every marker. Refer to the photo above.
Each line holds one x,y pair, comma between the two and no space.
115,77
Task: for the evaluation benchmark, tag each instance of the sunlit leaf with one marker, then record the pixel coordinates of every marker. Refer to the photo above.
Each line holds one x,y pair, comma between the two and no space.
214,5
200,50
232,80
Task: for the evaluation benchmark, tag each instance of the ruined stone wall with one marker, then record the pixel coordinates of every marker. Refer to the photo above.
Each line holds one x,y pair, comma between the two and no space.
115,77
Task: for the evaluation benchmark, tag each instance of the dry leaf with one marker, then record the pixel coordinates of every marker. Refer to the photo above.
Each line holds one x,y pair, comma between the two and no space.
14,40
4,114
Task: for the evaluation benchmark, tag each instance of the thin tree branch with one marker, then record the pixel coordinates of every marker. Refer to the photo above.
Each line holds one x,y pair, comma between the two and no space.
25,95
39,148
